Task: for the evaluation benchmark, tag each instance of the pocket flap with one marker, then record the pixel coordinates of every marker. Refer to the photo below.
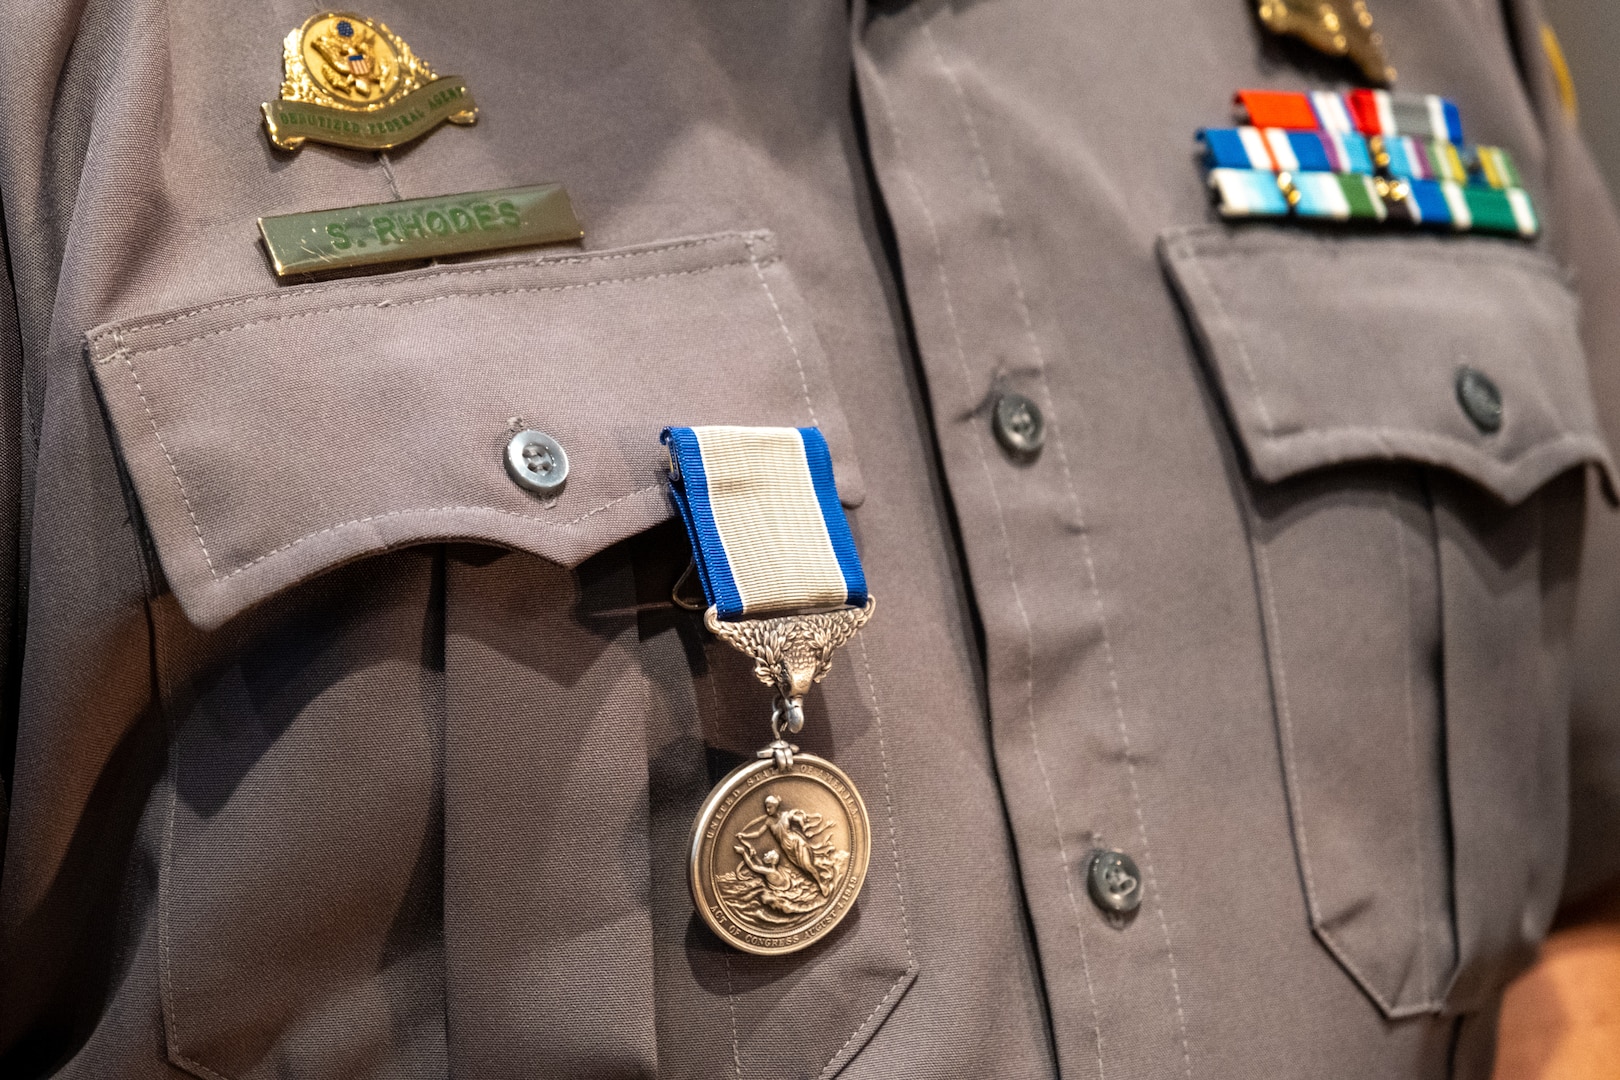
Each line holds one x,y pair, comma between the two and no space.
1337,349
272,437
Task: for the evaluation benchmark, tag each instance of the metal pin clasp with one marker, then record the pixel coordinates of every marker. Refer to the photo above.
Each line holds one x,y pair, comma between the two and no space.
1285,184
691,602
788,713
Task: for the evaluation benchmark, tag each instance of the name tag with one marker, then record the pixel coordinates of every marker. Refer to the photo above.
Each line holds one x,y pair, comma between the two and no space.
352,236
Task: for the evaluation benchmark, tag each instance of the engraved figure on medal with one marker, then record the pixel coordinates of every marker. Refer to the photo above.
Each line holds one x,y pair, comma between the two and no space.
797,833
779,855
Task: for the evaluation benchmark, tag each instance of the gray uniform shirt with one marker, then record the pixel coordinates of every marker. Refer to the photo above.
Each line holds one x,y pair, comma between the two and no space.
330,752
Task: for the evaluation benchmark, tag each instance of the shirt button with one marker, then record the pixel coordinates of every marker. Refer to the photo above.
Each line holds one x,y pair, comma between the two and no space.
1113,882
1019,425
1480,399
536,461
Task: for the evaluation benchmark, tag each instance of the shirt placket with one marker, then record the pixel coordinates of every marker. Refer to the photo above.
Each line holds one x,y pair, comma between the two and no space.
1008,442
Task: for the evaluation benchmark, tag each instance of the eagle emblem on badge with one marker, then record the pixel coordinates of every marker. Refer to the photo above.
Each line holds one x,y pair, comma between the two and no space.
347,80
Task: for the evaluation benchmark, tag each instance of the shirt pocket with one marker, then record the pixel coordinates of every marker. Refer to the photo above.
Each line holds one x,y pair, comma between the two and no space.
273,437
294,458
1414,558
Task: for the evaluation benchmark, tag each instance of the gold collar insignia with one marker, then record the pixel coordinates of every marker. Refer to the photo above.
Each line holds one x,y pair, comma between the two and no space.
1340,28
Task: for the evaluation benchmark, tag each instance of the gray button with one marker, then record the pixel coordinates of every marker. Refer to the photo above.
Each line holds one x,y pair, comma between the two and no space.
1019,425
1480,399
536,461
1113,882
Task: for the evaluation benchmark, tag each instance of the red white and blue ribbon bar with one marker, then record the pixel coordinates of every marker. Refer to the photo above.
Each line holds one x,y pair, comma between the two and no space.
1368,112
768,533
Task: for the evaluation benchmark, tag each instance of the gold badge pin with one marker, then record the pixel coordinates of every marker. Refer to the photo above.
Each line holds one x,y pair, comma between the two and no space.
1339,28
350,81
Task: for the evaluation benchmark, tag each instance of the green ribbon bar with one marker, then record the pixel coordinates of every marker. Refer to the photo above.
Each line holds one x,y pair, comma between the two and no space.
290,123
351,236
1359,193
1492,210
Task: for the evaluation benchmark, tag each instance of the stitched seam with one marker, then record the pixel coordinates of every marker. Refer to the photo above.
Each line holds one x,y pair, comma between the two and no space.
731,1001
1212,246
1319,433
1541,449
468,295
888,799
1065,867
1411,752
435,510
171,1025
1267,425
174,470
1263,562
798,361
1296,802
388,172
900,984
731,994
471,271
171,1018
1005,233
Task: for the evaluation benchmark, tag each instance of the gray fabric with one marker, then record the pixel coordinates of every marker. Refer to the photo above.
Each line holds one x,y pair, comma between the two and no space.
1588,35
1359,707
425,813
1591,243
1507,602
284,730
1029,181
554,981
1349,595
10,499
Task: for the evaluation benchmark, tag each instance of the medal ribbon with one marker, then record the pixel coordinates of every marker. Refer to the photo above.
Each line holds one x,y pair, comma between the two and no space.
761,510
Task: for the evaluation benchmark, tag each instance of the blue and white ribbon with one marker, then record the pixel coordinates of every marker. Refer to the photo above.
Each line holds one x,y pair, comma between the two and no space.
1276,150
761,510
1248,193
